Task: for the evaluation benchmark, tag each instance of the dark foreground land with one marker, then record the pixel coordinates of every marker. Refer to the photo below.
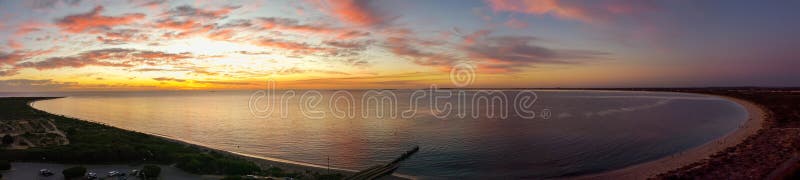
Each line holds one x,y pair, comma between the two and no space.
772,153
92,143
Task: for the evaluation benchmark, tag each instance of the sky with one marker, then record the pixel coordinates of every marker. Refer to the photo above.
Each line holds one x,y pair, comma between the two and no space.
131,45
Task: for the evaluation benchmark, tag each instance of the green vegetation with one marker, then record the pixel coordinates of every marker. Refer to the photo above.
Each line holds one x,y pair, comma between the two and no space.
4,165
74,172
92,143
97,143
8,139
151,171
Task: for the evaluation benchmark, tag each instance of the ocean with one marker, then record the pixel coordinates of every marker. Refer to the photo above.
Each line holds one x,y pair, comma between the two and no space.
485,133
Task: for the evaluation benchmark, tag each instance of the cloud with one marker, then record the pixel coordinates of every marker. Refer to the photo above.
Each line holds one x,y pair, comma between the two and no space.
189,32
224,82
294,47
14,44
122,36
112,57
93,21
322,29
471,38
406,47
20,55
40,4
352,45
32,85
222,35
28,27
516,24
152,4
586,11
358,12
177,25
9,72
509,53
169,79
191,12
253,52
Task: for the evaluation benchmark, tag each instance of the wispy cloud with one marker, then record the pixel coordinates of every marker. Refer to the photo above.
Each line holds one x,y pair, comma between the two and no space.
113,57
586,11
94,21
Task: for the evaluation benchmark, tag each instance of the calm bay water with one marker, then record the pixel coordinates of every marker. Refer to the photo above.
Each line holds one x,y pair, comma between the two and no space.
587,132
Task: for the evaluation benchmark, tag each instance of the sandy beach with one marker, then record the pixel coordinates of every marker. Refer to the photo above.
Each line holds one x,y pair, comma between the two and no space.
755,121
286,165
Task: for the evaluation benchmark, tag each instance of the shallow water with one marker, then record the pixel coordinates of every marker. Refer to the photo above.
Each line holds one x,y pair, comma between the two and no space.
582,132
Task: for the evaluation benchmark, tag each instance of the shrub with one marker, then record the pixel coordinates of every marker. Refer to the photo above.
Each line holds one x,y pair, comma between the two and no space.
8,139
275,171
232,178
5,165
74,172
151,171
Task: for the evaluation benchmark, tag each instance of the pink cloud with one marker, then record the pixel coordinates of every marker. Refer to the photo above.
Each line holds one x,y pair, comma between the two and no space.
93,20
14,44
358,12
28,27
516,24
20,55
288,45
586,11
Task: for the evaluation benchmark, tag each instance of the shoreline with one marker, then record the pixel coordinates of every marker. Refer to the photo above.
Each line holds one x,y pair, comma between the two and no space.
261,161
755,121
756,117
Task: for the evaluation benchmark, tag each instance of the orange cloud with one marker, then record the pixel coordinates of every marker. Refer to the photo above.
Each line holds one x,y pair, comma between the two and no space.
222,35
93,20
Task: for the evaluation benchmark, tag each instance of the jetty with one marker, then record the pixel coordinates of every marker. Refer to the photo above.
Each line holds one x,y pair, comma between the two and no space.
378,171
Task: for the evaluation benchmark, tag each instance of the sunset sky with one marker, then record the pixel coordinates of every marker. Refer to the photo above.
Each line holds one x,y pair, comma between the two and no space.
91,45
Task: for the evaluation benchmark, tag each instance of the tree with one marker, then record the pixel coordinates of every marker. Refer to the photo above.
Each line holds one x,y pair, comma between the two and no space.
151,171
8,139
74,172
5,165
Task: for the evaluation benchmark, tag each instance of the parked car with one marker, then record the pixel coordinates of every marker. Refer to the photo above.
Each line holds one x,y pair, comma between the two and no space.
134,172
45,172
115,174
91,175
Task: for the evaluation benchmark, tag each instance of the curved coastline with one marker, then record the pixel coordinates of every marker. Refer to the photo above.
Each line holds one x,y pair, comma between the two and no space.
260,160
756,116
754,122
